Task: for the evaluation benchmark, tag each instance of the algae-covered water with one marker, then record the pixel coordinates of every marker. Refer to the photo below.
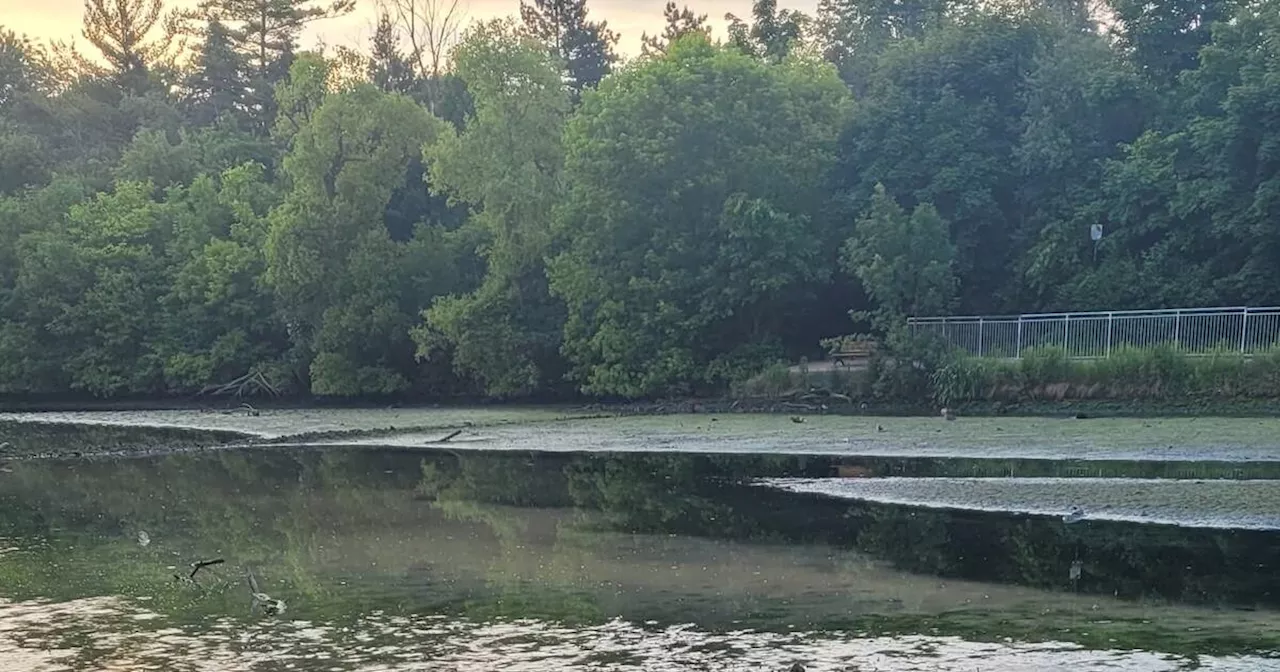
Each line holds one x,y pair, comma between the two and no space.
575,430
584,552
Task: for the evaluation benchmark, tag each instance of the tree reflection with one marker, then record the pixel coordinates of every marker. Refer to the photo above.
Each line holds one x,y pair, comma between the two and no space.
340,531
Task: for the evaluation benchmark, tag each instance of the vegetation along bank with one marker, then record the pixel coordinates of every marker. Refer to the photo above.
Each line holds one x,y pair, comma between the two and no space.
246,215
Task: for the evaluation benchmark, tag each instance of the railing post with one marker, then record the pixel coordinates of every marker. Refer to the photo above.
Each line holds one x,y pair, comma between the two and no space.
1018,353
980,321
1066,333
1177,329
1244,328
1110,320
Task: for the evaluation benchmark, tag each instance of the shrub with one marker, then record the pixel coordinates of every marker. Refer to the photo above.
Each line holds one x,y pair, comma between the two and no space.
772,382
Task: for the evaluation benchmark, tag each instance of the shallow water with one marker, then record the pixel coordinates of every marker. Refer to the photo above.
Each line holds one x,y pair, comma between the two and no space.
467,560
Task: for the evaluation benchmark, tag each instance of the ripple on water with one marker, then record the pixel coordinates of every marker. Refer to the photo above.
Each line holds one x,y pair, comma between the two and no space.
104,634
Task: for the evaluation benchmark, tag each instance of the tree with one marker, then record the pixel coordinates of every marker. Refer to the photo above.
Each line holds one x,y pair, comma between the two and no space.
217,323
506,164
1165,38
88,289
854,33
904,262
216,86
772,35
388,68
680,22
119,29
265,34
585,48
21,72
338,276
941,124
696,225
23,82
431,27
1082,106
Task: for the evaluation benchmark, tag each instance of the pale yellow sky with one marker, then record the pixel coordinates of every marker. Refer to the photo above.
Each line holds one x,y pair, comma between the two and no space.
60,19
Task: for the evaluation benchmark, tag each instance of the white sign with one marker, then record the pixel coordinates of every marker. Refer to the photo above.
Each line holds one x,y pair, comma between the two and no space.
1095,232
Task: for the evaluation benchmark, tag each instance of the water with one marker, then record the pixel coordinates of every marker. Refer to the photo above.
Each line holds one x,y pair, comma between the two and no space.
472,560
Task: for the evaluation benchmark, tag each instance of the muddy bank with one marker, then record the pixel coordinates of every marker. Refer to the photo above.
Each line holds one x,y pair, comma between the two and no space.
65,439
556,430
816,402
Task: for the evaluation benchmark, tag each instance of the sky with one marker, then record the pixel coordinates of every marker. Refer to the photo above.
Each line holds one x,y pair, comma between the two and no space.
60,19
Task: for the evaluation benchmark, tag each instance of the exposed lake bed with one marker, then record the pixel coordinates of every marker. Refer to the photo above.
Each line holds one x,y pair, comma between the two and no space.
554,541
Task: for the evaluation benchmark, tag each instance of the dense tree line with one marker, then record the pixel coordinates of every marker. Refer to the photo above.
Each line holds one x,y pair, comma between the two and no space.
519,211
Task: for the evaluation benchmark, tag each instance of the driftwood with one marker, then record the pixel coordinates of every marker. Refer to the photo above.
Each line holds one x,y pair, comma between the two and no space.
197,566
449,438
248,384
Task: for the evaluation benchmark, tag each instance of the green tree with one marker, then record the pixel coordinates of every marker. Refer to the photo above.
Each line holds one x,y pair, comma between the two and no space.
338,277
123,32
1165,38
584,48
88,290
903,261
389,70
941,123
1190,213
853,33
680,22
216,86
265,34
1082,105
772,35
218,324
696,220
506,164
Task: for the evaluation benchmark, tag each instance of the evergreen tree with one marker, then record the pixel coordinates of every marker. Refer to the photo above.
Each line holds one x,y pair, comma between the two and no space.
265,33
680,22
585,48
119,29
389,70
216,85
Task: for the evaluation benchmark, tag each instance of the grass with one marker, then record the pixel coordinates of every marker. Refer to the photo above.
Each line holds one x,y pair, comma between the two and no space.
1159,373
779,381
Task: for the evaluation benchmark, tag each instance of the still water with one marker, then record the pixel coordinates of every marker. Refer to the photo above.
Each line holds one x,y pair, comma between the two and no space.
382,559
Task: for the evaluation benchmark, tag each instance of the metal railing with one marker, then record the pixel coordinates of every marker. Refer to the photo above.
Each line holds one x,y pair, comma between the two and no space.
1192,330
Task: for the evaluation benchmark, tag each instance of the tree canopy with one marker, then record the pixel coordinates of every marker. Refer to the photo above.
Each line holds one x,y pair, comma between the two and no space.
513,210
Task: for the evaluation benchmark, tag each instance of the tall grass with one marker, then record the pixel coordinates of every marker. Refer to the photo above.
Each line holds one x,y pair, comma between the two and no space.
1129,373
779,381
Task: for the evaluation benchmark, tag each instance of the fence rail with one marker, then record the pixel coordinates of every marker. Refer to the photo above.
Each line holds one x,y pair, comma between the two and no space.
1097,334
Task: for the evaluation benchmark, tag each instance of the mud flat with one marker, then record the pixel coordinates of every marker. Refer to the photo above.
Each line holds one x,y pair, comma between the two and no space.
1253,504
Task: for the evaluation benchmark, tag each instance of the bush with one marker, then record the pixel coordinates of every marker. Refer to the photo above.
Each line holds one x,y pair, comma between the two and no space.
904,370
779,380
773,382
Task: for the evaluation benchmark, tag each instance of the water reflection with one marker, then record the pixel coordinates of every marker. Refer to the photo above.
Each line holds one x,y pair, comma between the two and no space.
580,540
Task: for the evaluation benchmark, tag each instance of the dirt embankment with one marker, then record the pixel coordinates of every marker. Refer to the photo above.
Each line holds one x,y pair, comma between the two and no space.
49,439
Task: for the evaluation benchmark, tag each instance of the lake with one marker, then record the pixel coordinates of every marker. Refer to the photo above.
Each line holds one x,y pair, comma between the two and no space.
488,555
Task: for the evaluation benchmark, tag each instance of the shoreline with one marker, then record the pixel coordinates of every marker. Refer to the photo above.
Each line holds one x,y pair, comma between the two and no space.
850,438
809,404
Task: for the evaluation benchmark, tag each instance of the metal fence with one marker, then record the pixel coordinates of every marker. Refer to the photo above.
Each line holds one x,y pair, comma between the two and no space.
1192,330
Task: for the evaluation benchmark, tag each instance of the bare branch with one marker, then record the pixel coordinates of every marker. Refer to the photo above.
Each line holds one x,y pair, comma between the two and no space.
430,27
